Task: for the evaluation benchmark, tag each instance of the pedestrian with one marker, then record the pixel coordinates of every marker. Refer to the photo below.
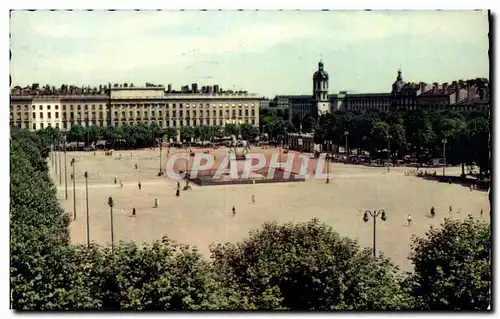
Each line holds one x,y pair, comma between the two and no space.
481,213
178,193
157,203
139,184
115,180
234,211
178,185
253,199
451,209
133,212
121,184
433,212
449,181
135,165
409,219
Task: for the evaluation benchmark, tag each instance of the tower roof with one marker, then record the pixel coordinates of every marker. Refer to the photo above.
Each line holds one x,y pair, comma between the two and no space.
320,74
399,83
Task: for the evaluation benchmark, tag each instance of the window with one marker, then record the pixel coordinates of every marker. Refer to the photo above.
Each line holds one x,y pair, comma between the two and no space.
239,112
86,107
153,113
174,113
72,115
93,115
40,107
19,107
34,125
65,125
78,107
57,107
130,113
48,107
41,125
64,107
101,115
100,106
180,113
57,125
159,114
116,114
138,113
173,105
57,115
49,115
25,107
246,112
187,113
253,112
234,113
180,106
220,112
123,114
64,116
41,115
214,113
71,107
208,113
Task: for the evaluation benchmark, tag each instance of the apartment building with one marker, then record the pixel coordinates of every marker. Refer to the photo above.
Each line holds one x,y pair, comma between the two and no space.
128,105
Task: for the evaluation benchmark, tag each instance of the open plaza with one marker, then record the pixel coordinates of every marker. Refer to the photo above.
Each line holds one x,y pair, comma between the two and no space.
203,215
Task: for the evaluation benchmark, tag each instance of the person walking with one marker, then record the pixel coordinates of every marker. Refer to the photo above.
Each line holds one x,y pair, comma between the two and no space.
409,219
135,165
451,209
115,180
139,185
133,212
157,203
178,185
481,213
253,199
433,212
234,211
121,184
177,193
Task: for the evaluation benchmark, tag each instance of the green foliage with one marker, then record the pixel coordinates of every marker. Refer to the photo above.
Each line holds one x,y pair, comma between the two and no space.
308,266
305,266
453,266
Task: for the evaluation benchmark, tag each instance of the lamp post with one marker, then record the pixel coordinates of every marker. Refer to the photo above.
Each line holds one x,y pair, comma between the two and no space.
374,214
346,134
444,141
111,204
388,151
161,170
55,158
60,166
87,201
65,171
73,177
327,162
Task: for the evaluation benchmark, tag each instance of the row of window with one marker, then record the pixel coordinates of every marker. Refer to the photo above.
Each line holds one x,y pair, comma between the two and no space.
66,125
93,106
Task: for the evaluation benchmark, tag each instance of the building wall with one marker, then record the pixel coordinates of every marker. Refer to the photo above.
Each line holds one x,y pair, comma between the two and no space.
173,110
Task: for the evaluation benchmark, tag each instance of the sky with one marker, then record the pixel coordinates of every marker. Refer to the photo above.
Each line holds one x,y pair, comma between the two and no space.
265,52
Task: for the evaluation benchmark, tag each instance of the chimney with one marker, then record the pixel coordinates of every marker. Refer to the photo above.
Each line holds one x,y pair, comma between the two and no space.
194,88
422,87
445,88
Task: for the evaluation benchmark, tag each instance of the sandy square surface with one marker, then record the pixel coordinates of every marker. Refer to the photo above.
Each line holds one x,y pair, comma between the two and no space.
203,215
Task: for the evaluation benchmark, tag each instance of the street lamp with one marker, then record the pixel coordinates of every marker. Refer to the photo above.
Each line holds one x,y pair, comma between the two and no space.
60,175
327,162
346,134
444,141
375,214
111,204
388,150
87,201
65,170
161,171
73,177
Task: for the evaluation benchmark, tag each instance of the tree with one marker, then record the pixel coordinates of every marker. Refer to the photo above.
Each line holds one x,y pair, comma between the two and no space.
231,129
248,132
77,133
308,266
452,266
187,133
170,133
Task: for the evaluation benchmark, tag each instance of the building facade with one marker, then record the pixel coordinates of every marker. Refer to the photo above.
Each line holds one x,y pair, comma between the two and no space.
321,101
128,105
